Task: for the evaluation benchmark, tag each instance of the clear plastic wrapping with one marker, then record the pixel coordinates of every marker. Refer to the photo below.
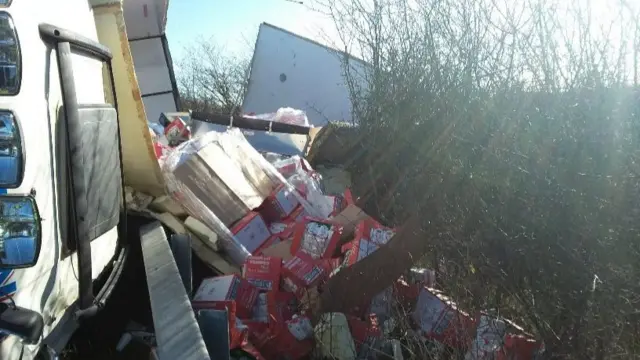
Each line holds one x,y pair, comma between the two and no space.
182,194
269,169
285,115
235,145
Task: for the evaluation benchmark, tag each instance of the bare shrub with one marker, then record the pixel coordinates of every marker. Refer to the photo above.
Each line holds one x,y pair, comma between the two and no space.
210,79
518,121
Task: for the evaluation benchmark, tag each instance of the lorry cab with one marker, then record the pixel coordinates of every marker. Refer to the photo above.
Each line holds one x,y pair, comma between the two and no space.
61,184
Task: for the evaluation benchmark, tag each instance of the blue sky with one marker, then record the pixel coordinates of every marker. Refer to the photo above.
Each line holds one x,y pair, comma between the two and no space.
234,24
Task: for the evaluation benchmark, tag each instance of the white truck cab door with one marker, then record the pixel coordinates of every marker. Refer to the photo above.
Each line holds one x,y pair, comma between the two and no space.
51,286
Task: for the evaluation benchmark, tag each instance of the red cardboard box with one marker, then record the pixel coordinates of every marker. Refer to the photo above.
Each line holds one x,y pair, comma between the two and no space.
336,202
160,149
302,272
334,264
373,231
366,333
278,343
297,215
288,167
519,347
251,231
265,310
357,250
259,334
439,319
280,204
348,197
227,288
286,306
317,238
177,131
288,347
282,229
263,272
406,294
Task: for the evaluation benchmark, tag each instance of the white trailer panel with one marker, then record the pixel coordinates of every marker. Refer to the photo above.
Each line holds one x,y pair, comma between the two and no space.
290,70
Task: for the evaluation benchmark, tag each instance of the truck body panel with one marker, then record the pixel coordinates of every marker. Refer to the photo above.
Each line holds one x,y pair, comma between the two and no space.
146,22
288,70
139,161
51,286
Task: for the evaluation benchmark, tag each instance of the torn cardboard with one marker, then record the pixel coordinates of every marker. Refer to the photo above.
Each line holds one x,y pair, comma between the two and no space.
281,250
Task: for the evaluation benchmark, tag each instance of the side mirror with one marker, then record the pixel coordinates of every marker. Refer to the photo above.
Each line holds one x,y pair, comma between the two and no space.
23,323
20,232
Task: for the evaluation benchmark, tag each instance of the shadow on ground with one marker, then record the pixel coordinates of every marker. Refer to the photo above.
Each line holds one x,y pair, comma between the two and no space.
97,337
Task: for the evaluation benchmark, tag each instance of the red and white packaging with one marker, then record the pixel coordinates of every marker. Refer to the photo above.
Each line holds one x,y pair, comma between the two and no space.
277,343
263,272
265,309
489,339
348,197
439,319
373,231
336,203
300,327
406,294
177,131
291,348
357,250
317,238
366,333
297,215
519,347
289,166
286,306
251,231
280,204
301,272
161,150
260,334
334,264
283,229
227,288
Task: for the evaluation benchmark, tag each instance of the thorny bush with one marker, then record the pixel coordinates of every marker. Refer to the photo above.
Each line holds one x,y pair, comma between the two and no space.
519,123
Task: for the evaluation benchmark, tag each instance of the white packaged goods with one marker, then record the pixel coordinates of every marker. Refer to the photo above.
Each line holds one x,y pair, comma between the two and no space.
300,327
489,339
204,175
